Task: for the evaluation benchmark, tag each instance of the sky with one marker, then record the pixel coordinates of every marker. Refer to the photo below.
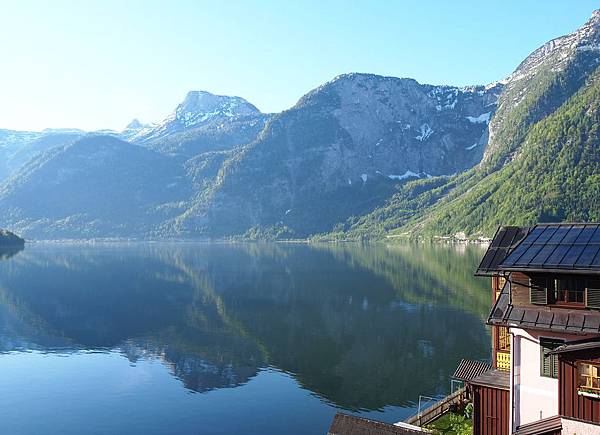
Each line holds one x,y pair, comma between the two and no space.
99,64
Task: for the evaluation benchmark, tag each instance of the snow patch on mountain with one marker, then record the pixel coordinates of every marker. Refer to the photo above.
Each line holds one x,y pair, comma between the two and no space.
407,174
484,117
426,131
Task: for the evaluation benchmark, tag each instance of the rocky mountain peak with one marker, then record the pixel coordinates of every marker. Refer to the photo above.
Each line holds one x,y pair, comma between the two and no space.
134,125
201,106
197,109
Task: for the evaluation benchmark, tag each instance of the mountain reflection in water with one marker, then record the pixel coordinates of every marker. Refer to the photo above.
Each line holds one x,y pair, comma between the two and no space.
361,327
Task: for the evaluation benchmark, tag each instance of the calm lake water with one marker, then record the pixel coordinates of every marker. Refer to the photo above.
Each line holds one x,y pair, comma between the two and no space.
231,338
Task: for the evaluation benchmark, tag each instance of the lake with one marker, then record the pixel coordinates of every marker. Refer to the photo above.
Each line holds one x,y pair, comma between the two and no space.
231,338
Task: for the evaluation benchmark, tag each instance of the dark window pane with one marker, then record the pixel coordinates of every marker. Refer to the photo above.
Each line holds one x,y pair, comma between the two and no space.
573,234
588,254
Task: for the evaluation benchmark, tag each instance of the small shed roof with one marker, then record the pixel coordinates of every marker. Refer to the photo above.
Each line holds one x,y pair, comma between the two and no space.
493,378
344,424
469,369
545,425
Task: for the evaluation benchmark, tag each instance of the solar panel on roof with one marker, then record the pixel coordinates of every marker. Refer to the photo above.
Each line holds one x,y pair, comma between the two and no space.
559,235
497,240
573,234
596,260
586,234
596,236
587,256
528,255
545,236
543,255
520,250
504,239
557,246
535,232
557,255
572,255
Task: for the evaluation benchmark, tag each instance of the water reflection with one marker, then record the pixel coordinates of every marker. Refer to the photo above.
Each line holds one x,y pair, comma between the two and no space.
9,251
362,327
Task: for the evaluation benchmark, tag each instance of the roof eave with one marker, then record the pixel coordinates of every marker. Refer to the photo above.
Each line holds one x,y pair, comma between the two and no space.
550,270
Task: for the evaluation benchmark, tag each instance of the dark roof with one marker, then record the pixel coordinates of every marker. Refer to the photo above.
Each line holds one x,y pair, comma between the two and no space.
557,248
546,425
344,424
543,317
574,346
493,378
505,239
469,369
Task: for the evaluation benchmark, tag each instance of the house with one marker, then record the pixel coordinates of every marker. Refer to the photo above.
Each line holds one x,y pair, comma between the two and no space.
545,376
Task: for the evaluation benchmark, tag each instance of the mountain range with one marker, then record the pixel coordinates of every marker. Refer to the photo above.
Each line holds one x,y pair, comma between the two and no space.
361,156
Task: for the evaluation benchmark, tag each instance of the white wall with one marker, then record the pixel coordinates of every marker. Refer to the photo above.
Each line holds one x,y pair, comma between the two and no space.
535,397
572,427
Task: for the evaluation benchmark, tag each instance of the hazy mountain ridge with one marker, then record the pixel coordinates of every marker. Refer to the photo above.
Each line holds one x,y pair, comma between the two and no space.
360,156
96,187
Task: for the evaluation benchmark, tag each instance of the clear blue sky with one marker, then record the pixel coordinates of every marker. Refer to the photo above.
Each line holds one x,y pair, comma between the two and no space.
98,64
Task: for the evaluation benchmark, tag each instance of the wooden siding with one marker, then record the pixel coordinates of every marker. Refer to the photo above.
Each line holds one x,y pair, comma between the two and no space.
570,403
490,411
520,289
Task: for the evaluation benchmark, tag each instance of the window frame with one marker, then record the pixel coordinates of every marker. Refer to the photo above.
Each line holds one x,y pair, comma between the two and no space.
577,304
551,343
549,285
586,389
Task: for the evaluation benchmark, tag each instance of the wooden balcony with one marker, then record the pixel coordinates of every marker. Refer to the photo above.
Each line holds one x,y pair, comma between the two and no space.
503,360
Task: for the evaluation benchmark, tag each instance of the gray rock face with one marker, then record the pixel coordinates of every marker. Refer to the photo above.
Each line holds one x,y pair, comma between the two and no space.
399,127
340,151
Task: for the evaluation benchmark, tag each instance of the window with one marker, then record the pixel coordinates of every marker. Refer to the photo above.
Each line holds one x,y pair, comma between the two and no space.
540,287
501,282
503,339
592,297
561,290
549,363
589,377
570,290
